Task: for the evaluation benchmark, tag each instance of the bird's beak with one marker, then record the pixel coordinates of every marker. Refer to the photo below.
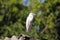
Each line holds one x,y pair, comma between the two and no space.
34,14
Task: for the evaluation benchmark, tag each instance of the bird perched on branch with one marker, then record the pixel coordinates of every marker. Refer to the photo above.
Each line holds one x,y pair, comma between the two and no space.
29,21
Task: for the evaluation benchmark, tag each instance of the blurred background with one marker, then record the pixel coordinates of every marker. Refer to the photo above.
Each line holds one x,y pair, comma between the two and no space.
13,14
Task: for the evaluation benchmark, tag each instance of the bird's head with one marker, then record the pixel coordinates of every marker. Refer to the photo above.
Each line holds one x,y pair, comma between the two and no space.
32,14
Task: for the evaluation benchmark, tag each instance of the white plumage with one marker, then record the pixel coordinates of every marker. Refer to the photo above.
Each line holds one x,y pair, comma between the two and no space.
29,22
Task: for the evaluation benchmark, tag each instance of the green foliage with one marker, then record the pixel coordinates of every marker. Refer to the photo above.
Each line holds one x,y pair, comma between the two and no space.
13,18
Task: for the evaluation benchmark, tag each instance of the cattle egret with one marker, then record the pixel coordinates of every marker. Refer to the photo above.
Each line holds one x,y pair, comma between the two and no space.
29,22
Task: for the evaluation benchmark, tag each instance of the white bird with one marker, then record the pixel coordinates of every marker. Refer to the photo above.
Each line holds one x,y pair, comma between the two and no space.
29,21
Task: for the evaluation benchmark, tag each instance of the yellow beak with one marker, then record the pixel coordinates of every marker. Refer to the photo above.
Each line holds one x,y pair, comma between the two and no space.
34,14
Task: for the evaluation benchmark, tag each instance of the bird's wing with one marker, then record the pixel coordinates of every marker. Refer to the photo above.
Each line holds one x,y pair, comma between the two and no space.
28,25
